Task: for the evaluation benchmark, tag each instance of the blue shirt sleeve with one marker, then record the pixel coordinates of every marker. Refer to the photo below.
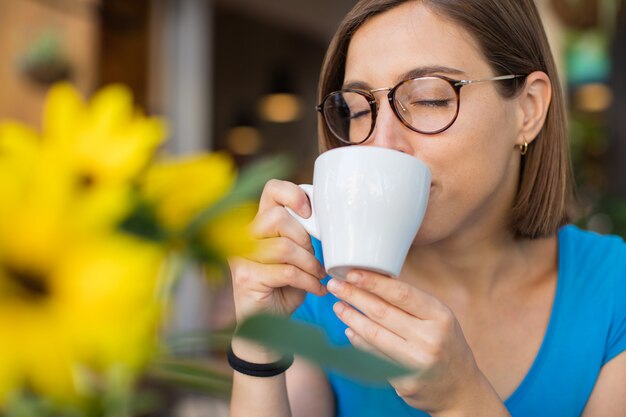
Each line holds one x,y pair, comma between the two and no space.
616,342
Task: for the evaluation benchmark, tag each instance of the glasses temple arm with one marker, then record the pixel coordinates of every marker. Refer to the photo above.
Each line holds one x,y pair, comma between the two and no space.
499,78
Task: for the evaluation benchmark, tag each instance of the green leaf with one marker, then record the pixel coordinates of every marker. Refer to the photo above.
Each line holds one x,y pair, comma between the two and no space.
192,374
27,405
287,336
249,185
252,178
142,222
204,253
47,47
198,341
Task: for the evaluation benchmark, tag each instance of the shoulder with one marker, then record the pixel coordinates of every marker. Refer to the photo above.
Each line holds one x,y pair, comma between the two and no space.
588,252
594,270
592,275
590,241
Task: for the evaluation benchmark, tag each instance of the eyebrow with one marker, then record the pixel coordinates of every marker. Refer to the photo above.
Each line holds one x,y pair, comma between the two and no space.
414,73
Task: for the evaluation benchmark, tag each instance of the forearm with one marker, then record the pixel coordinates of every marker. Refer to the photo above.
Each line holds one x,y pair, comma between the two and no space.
258,396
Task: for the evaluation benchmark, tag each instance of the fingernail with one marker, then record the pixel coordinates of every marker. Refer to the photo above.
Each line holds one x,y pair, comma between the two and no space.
349,333
354,277
338,308
305,210
334,285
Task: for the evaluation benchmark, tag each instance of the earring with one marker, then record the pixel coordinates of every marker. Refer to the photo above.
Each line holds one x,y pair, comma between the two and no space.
523,148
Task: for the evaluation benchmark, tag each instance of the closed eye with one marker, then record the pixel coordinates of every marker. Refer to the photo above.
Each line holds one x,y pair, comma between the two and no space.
359,114
432,103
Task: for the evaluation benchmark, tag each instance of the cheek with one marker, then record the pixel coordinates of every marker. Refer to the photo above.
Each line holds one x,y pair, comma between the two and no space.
469,170
460,186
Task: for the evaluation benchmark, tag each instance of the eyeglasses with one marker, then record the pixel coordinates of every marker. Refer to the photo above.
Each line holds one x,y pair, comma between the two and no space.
427,105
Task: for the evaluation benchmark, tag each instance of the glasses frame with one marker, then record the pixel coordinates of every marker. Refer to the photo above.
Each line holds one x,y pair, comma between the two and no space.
374,103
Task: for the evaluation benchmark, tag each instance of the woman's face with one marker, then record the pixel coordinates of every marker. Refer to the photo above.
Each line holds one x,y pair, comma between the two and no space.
474,163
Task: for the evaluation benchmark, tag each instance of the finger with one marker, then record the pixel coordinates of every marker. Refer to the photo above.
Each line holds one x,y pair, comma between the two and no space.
281,250
360,343
254,277
286,194
400,294
380,338
277,222
375,308
404,385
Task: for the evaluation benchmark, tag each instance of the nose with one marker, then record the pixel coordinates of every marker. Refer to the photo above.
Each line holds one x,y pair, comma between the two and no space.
389,132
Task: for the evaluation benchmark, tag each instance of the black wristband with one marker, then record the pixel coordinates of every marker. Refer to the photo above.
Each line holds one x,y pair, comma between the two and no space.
263,370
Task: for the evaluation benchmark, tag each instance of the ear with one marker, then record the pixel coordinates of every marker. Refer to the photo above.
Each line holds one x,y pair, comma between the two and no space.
534,101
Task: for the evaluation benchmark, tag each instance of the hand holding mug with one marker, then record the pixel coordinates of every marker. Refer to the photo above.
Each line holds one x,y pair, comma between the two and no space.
398,321
277,276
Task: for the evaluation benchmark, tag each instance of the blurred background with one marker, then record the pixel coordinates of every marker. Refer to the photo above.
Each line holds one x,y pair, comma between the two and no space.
241,76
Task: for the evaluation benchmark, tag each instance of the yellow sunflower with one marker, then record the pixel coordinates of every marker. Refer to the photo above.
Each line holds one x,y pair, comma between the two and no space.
76,295
182,188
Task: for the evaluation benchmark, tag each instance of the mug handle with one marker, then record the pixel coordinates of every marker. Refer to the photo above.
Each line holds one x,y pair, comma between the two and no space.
310,224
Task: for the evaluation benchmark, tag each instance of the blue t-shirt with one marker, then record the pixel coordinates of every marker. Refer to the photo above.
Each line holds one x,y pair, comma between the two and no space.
587,328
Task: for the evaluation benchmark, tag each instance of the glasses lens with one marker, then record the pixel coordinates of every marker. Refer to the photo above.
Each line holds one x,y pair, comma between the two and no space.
426,104
348,115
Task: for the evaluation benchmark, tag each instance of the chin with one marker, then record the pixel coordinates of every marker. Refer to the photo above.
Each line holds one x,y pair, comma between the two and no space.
431,228
427,235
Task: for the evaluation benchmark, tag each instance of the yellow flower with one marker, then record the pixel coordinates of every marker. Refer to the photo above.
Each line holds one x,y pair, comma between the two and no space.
80,301
108,139
96,309
36,187
113,284
38,348
228,234
75,293
82,167
10,376
181,188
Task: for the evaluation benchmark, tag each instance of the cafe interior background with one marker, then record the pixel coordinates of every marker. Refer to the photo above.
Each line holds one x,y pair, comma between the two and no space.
241,76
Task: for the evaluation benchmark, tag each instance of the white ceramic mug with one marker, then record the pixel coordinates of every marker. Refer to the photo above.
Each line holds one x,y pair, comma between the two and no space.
367,204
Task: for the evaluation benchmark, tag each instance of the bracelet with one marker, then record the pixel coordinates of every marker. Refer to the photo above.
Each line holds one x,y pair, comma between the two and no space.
263,370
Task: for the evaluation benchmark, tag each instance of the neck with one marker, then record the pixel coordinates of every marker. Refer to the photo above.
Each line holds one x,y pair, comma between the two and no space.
478,265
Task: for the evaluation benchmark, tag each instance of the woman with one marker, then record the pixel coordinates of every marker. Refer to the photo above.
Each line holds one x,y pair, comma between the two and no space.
478,307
